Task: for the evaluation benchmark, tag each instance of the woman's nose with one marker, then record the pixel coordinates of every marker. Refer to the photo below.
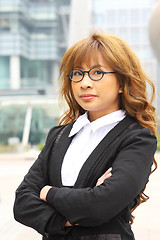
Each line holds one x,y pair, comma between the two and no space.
86,82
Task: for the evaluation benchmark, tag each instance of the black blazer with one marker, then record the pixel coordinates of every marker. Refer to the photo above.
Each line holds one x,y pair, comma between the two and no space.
102,212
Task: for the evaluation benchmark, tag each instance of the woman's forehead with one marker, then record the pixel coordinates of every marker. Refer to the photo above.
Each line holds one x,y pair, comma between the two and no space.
91,60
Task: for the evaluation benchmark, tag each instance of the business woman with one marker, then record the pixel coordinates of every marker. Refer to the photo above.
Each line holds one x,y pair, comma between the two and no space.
94,167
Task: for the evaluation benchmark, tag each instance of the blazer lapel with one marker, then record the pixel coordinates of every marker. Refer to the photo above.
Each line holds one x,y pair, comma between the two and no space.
57,156
96,154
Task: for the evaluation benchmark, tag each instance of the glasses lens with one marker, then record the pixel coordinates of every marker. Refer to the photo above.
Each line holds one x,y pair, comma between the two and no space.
76,75
96,73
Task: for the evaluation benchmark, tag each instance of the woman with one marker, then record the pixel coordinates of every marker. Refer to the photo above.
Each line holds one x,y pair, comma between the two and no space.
95,165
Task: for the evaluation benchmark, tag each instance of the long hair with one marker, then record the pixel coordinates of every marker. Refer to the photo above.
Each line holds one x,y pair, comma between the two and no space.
133,80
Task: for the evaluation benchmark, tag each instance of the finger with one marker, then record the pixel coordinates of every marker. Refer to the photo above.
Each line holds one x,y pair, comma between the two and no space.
106,173
101,179
107,176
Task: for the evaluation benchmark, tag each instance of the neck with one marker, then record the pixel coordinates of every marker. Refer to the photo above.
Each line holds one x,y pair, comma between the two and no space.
92,116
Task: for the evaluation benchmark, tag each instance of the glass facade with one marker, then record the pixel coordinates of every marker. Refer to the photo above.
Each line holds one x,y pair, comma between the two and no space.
4,72
35,73
33,40
34,31
44,115
29,29
12,120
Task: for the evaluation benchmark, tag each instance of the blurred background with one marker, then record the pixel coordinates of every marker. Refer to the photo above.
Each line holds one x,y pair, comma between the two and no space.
34,35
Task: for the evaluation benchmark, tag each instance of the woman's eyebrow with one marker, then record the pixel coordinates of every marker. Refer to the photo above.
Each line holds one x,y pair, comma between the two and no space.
78,67
96,65
99,65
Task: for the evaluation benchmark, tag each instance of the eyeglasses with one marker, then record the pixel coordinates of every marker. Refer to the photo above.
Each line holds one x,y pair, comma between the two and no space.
95,74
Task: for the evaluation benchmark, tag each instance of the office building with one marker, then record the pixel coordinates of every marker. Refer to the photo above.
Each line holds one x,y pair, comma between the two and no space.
32,42
33,38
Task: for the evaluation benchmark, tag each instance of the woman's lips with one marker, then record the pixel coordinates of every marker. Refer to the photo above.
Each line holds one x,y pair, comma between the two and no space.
87,97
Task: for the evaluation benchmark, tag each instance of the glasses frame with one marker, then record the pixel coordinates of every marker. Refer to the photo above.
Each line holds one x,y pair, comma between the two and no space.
83,73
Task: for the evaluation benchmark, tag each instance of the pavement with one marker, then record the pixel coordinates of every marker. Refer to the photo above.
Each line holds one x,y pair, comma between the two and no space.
13,167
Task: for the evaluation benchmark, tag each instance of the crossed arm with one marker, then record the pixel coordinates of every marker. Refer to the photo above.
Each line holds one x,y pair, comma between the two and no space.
44,191
131,170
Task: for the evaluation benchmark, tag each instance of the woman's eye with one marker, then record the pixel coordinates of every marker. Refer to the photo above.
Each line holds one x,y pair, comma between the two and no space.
77,73
97,72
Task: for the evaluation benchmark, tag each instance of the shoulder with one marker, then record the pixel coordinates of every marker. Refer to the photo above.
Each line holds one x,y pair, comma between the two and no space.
140,134
55,131
53,134
138,129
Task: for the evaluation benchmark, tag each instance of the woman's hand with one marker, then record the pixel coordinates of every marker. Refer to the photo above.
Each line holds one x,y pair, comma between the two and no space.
43,194
44,191
106,175
68,224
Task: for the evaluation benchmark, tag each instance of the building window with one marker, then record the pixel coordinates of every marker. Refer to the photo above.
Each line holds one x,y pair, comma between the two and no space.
35,73
4,72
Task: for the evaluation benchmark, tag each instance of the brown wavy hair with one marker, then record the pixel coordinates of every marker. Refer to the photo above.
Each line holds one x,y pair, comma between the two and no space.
133,80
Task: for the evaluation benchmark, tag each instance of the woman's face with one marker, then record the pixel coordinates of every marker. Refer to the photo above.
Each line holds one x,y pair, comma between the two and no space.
101,97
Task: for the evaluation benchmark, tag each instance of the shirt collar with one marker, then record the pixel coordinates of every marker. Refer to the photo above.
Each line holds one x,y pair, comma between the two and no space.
108,119
79,124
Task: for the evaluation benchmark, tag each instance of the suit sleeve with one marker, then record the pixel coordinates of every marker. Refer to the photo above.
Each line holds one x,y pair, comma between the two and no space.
29,209
131,170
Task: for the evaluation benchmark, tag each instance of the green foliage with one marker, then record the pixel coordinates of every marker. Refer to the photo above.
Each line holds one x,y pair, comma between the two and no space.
40,146
8,148
158,143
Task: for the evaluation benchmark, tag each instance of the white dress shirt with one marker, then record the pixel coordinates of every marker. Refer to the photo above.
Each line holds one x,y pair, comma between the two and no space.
88,136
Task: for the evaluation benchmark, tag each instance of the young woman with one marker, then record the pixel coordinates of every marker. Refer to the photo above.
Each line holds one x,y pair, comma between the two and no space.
93,169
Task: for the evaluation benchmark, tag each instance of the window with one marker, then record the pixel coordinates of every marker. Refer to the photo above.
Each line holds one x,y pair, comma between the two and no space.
4,72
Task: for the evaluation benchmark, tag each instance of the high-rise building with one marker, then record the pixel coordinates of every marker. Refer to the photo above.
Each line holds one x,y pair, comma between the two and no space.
32,42
33,38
